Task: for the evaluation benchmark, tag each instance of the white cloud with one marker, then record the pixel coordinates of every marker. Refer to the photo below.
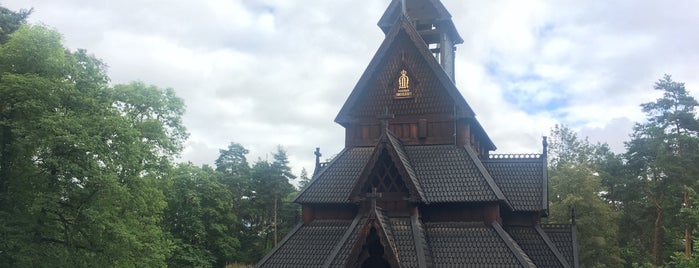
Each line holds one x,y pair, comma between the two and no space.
270,72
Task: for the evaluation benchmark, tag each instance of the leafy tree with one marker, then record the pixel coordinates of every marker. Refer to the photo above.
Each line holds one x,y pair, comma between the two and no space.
574,172
80,171
200,218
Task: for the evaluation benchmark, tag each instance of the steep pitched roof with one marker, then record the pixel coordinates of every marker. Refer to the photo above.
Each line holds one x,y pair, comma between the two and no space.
439,174
538,246
306,245
522,179
334,183
474,244
403,26
450,173
564,236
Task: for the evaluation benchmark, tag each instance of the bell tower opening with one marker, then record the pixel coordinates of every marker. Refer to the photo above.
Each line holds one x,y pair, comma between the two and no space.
433,22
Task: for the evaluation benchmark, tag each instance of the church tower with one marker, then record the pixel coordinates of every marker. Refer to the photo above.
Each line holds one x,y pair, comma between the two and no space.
417,184
433,22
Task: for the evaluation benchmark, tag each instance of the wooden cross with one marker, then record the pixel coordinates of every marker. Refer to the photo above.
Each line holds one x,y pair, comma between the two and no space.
372,196
318,155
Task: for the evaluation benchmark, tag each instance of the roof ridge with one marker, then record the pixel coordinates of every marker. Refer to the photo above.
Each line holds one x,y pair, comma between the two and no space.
387,229
420,242
489,179
397,145
516,250
340,243
551,246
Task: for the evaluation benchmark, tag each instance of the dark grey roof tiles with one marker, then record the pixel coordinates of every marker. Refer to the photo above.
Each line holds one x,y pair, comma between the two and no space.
334,183
521,180
562,236
346,250
440,173
534,246
448,174
309,246
468,244
405,244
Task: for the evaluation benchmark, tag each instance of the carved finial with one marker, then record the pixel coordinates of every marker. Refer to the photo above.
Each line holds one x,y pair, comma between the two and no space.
572,215
318,155
545,144
403,8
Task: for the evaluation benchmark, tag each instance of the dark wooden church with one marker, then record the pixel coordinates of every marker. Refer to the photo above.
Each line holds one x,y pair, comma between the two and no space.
417,184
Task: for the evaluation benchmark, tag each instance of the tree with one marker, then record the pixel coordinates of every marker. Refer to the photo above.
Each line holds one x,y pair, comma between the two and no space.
663,156
269,194
233,161
80,170
574,172
303,179
200,218
10,21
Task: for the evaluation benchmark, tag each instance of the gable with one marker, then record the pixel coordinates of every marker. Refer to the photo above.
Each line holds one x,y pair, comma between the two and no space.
389,171
429,96
435,92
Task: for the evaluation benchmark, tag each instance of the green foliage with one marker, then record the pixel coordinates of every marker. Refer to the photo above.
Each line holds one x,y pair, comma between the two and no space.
10,21
266,183
663,166
679,260
303,179
574,180
200,218
232,161
78,184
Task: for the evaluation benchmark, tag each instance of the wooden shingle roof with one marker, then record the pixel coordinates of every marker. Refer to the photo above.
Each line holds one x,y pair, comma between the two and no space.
564,237
537,245
474,244
439,173
522,178
329,243
306,245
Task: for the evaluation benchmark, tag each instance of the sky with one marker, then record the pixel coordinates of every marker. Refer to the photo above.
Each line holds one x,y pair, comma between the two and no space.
265,73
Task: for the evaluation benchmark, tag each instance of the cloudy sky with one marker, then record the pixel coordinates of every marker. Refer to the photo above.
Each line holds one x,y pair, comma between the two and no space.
264,73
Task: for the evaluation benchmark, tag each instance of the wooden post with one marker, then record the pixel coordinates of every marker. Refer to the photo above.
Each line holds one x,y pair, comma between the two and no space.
275,219
687,231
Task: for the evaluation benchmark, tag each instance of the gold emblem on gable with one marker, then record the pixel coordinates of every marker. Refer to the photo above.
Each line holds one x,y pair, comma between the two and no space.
403,91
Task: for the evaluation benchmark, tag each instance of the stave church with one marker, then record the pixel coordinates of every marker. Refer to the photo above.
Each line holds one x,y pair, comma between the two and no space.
417,184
